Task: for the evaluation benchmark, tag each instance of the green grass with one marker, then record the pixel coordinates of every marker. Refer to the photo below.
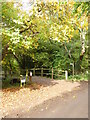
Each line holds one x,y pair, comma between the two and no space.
80,77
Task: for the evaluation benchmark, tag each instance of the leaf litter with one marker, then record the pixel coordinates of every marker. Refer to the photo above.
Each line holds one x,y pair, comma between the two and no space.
27,98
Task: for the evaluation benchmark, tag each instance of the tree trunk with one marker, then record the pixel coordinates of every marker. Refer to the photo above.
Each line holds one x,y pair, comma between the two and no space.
10,68
5,72
79,62
82,38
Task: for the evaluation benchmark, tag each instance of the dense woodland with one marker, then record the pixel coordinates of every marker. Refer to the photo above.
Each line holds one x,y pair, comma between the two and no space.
48,34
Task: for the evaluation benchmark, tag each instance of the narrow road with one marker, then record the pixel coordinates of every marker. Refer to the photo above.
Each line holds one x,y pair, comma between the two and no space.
70,105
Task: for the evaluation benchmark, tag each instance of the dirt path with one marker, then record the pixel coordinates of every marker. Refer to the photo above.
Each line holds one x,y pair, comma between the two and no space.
23,100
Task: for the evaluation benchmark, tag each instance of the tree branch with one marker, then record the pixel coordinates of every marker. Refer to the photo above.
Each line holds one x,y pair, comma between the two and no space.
68,51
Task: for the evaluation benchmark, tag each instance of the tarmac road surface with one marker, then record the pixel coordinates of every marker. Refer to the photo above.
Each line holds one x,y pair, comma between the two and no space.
70,105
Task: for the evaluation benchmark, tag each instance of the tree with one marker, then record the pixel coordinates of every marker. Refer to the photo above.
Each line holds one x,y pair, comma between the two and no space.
31,38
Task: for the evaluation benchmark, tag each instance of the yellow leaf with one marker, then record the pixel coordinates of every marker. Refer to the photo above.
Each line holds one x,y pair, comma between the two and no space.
74,97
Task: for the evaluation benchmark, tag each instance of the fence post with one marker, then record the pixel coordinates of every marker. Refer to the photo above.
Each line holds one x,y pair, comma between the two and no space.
41,72
20,80
66,75
52,73
34,72
30,76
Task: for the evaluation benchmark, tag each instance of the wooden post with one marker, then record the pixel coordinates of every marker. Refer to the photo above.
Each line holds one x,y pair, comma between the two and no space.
52,73
20,80
21,85
34,72
66,75
30,76
41,72
72,69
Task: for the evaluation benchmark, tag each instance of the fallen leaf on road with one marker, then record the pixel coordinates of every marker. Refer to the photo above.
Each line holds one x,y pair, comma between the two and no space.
41,109
74,97
46,108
